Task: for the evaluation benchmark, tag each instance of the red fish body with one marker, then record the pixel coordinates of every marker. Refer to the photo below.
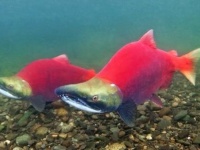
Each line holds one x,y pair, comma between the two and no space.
44,75
139,69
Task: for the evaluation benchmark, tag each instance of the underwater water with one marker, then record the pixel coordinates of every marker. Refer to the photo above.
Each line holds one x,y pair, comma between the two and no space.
90,32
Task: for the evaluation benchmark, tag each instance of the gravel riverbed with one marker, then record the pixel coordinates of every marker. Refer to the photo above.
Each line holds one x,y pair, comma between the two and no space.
176,126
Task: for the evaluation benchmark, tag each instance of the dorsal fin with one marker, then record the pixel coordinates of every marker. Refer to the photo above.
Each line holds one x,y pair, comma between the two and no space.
62,58
173,52
148,39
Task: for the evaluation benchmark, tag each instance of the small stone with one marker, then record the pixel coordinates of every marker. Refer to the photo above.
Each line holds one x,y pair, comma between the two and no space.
94,117
164,111
183,134
41,131
115,131
121,133
116,146
175,104
149,137
2,145
11,136
23,140
65,128
24,119
62,112
163,124
197,139
63,135
141,108
59,147
17,148
181,114
128,144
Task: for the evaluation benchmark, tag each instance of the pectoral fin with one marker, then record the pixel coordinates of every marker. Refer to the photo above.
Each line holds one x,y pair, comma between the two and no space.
127,112
38,103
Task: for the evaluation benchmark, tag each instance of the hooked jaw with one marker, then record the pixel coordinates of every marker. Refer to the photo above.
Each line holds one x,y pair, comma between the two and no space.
95,95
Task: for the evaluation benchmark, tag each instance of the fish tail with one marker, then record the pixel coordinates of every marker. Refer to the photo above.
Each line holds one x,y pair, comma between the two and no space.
186,64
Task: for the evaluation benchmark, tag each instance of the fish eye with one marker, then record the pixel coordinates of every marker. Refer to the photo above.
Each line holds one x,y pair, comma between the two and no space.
95,98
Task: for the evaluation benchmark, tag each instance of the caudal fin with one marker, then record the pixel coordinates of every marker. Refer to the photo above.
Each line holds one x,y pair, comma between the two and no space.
186,64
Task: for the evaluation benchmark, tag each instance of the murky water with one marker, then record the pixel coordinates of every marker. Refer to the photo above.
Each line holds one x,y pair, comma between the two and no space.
90,32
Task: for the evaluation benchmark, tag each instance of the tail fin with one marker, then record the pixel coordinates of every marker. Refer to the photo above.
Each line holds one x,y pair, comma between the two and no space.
186,64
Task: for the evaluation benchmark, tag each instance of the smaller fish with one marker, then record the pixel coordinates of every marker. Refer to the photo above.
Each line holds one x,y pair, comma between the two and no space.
37,81
132,76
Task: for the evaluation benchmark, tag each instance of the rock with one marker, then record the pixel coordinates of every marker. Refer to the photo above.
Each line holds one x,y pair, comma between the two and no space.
18,148
175,104
149,137
163,124
24,119
59,147
164,111
65,128
41,131
115,133
61,112
23,140
181,114
62,135
2,127
183,134
197,139
121,133
2,145
142,120
11,136
116,146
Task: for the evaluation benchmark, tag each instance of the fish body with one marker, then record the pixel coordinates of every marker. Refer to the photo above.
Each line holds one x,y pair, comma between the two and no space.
134,74
38,80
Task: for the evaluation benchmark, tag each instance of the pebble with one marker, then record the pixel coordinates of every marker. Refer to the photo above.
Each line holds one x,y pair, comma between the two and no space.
180,115
149,137
18,148
116,146
183,134
197,139
59,147
23,140
65,128
61,112
121,133
175,104
41,131
163,124
164,111
62,135
24,119
2,127
2,145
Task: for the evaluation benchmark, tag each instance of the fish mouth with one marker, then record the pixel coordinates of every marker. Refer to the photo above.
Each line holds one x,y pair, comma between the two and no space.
8,93
75,100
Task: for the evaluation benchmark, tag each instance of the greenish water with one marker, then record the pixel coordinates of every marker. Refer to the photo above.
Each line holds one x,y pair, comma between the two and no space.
91,31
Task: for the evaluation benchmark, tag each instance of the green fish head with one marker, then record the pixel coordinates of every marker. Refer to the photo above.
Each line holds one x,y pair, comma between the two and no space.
95,95
14,87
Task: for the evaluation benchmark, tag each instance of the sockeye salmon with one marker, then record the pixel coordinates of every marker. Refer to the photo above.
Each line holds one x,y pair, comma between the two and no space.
133,75
37,81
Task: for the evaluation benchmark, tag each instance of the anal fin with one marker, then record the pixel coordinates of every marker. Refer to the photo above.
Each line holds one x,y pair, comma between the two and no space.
127,112
156,100
38,103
